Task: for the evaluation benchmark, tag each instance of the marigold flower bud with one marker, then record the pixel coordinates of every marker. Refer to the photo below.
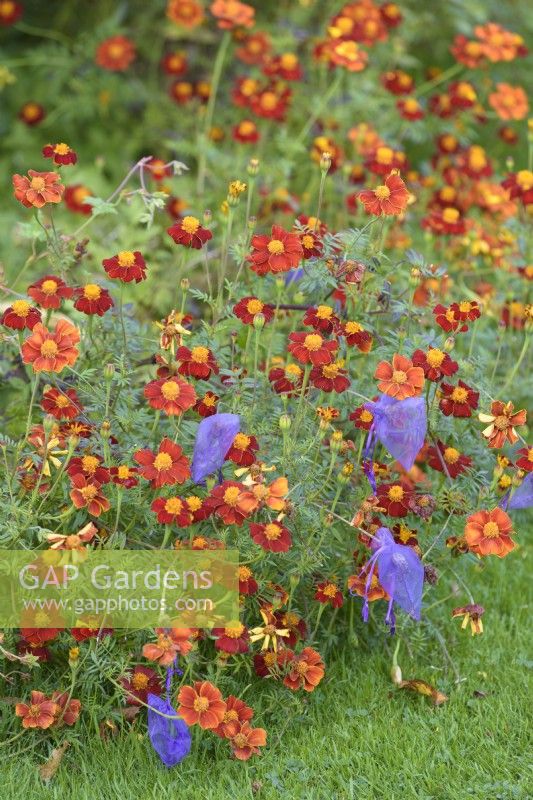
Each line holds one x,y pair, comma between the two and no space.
259,322
105,430
325,162
252,222
294,580
208,216
253,167
414,277
335,443
73,655
185,284
48,424
284,422
449,344
109,371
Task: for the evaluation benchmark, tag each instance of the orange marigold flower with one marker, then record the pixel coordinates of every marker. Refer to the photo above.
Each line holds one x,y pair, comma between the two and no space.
39,189
235,714
502,421
171,395
399,379
348,54
68,709
357,585
20,315
168,645
306,670
61,153
51,351
40,712
489,533
233,14
232,502
187,13
246,741
389,199
166,467
128,265
201,704
499,44
85,493
509,102
271,495
279,252
115,54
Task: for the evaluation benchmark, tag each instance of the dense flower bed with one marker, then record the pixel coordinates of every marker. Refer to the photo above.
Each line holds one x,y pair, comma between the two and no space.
358,294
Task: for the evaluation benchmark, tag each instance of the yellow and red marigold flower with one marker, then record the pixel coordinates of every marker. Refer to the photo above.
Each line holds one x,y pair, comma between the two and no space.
139,683
279,252
32,113
189,233
51,351
474,163
246,741
126,266
384,160
235,714
254,47
362,418
40,712
61,153
206,406
68,709
311,244
233,638
49,291
174,63
355,335
399,379
285,66
243,450
181,92
247,583
270,495
201,704
397,82
489,533
312,348
61,403
322,318
39,189
186,13
348,54
115,54
75,195
92,299
272,536
525,462
472,614
85,493
170,643
73,541
448,318
444,221
357,585
248,308
246,132
448,459
286,380
389,199
330,377
10,12
90,466
458,401
166,467
19,315
172,510
232,14
124,476
394,499
306,670
329,592
271,102
467,51
232,502
502,421
199,362
520,184
410,109
435,363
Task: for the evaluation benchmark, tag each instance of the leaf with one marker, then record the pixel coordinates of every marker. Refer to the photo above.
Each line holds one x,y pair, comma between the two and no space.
50,767
424,688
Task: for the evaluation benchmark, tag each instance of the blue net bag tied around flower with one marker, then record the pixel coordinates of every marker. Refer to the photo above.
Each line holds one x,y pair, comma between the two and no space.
401,574
400,426
169,735
521,498
214,438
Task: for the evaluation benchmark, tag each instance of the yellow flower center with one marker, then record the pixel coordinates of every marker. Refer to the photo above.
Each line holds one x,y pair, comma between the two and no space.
254,306
330,370
49,286
139,681
382,192
502,423
293,371
330,590
234,630
435,357
302,667
231,495
170,390
246,127
288,60
91,291
126,258
244,573
399,376
384,155
162,461
395,493
524,179
241,441
490,530
89,492
353,327
61,401
272,531
231,716
123,472
366,416
275,247
201,704
465,306
173,505
21,308
269,100
459,395
89,464
190,224
451,455
61,149
308,242
348,50
49,348
313,342
194,502
200,355
240,740
477,158
209,401
450,215
411,105
37,184
324,312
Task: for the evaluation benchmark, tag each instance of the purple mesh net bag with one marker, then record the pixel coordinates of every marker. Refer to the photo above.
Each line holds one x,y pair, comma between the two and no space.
170,738
214,437
521,498
400,426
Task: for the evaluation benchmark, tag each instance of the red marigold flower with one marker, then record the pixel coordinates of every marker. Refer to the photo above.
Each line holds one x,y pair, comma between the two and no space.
394,498
232,502
286,380
448,460
51,351
397,82
444,221
489,533
85,493
166,467
243,450
40,712
198,507
61,153
246,132
37,190
254,47
466,310
467,51
32,113
201,704
249,307
311,348
174,63
279,252
172,510
329,592
520,184
232,14
128,265
410,109
234,638
171,395
38,636
355,334
247,741
115,54
90,466
391,14
271,536
285,66
168,645
139,683
20,315
81,634
75,195
247,583
474,163
306,670
235,714
61,403
448,318
384,160
199,362
435,363
311,244
10,12
405,535
400,379
186,13
49,291
124,476
347,53
458,401
68,709
269,103
389,199
322,318
206,406
92,299
181,92
502,421
189,232
330,377
525,461
362,418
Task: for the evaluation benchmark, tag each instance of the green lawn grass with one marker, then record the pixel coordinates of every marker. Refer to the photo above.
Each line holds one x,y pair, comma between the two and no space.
356,737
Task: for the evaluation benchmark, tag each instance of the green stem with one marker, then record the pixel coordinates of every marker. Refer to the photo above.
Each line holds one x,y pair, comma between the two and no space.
215,81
